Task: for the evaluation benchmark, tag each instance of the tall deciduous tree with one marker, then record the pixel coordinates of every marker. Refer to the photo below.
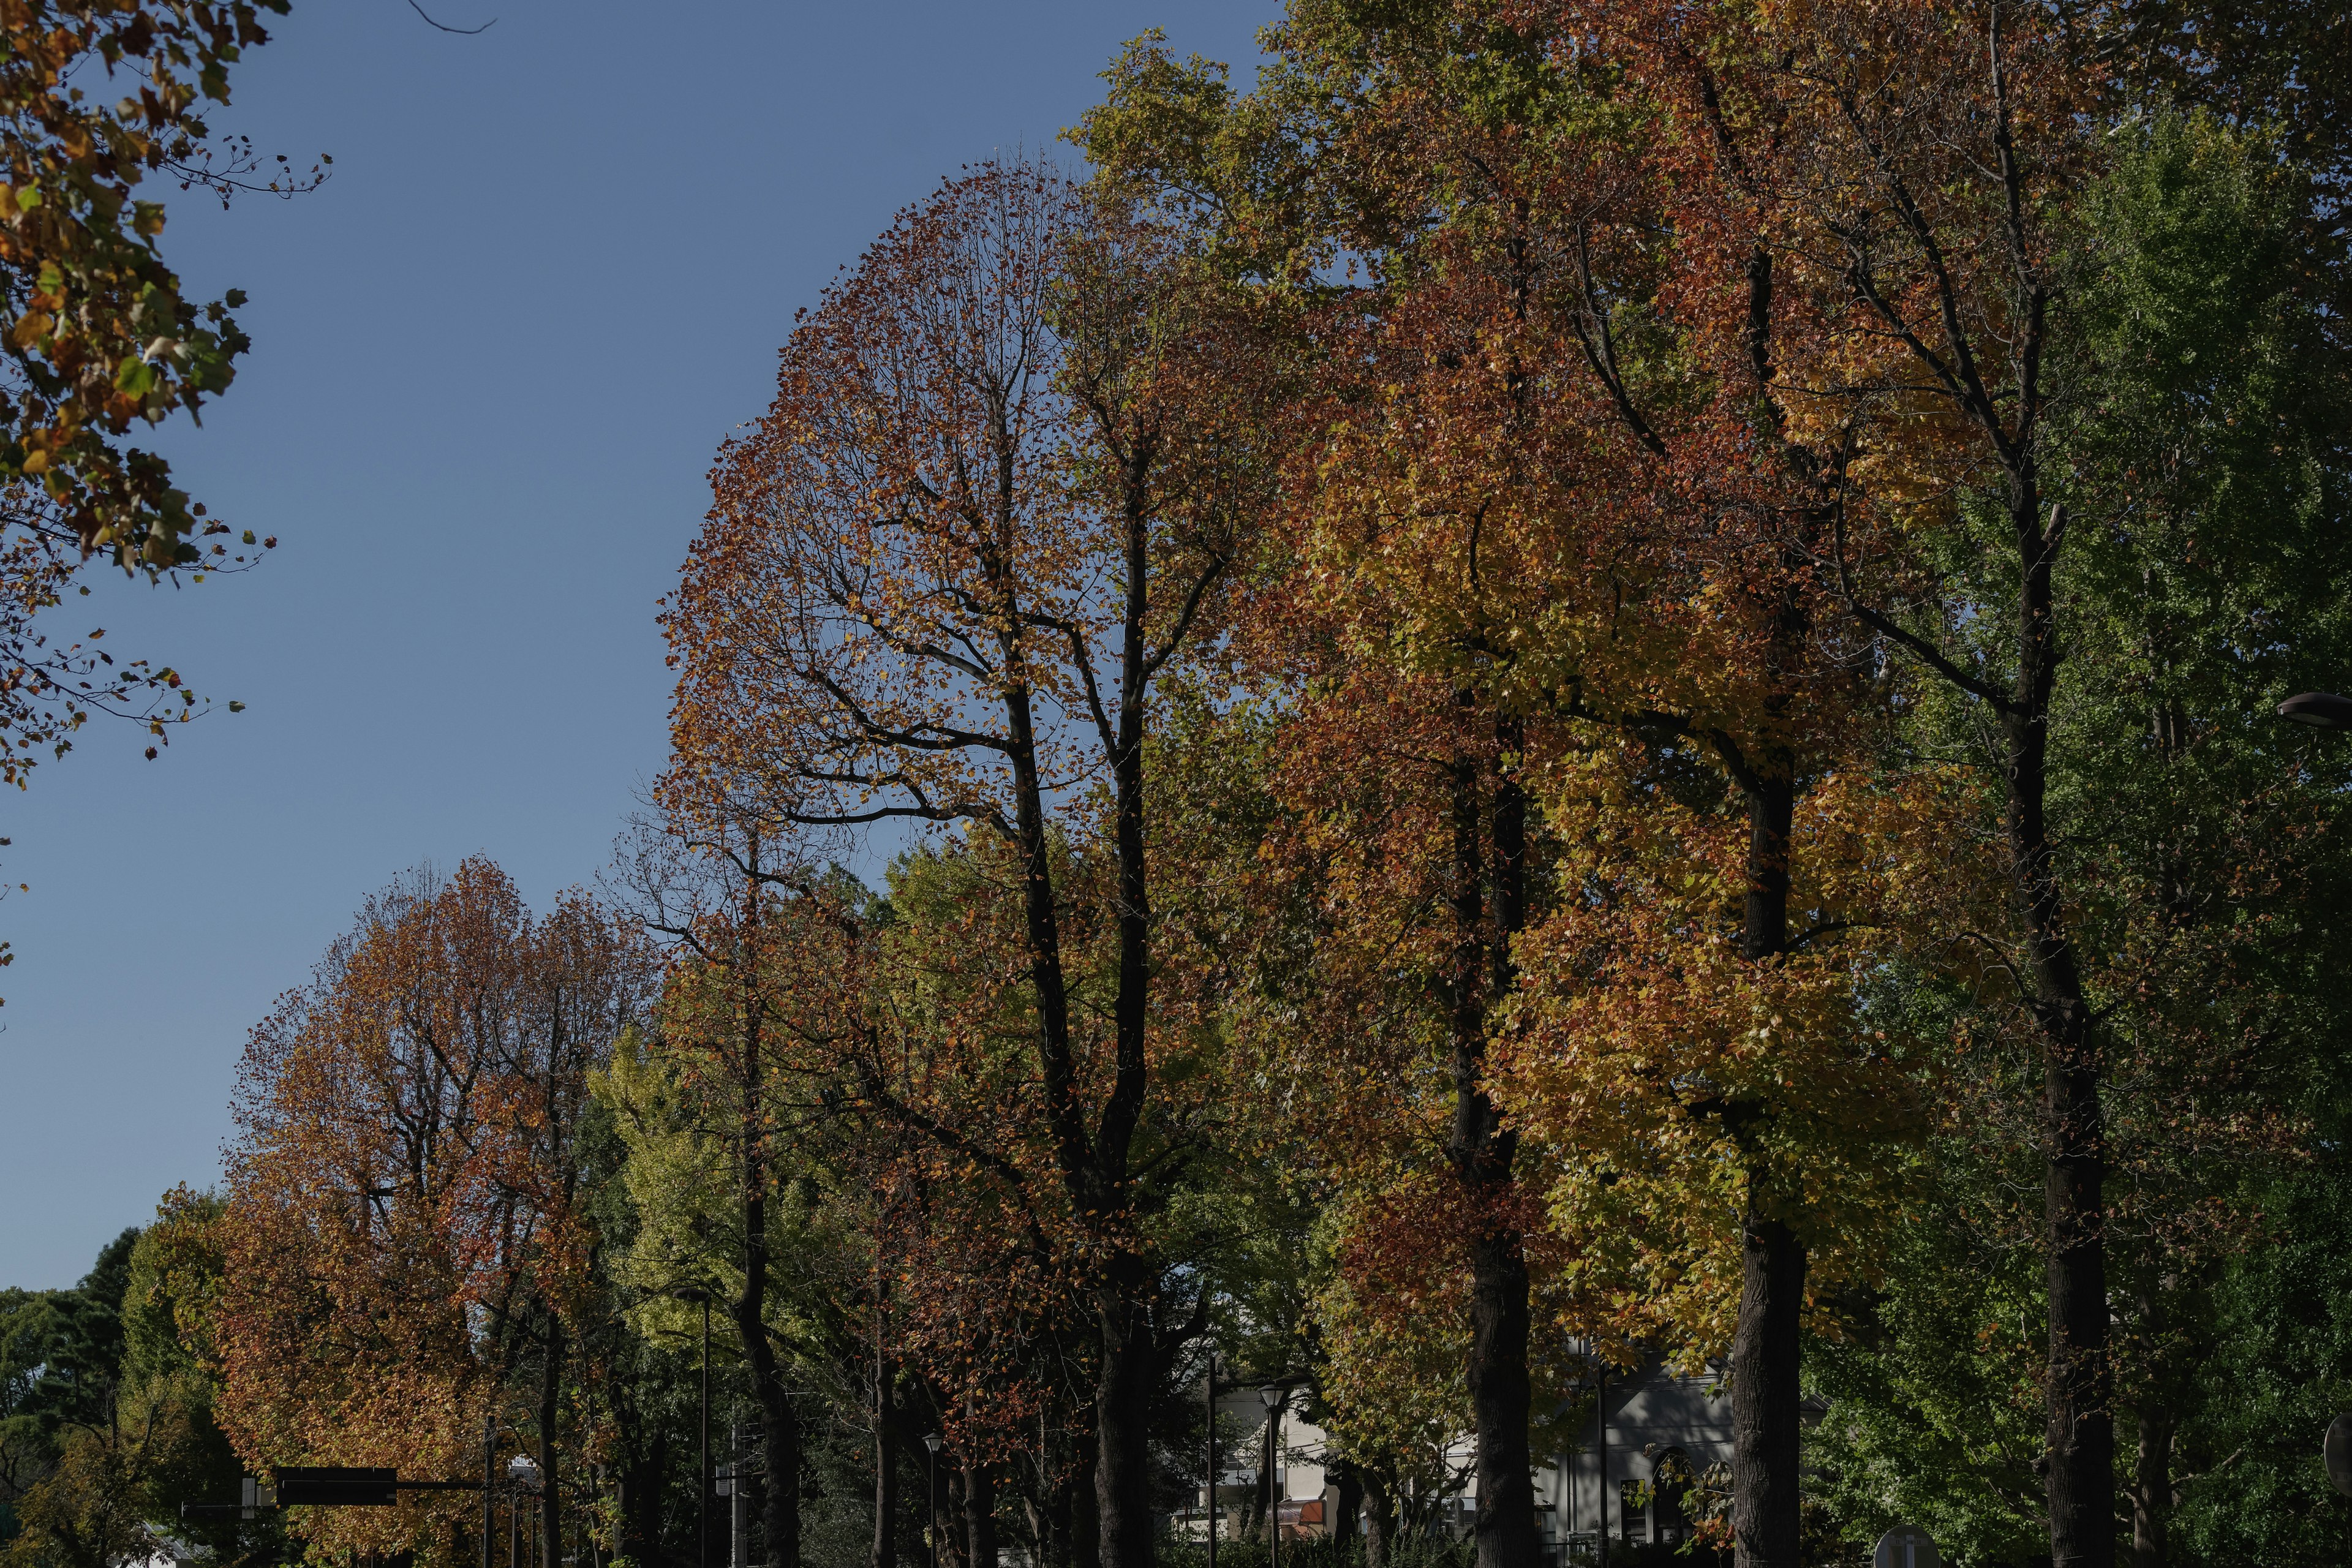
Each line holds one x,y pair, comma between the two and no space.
999,499
404,1243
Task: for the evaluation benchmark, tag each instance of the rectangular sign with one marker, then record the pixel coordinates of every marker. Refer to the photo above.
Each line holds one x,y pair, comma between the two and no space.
335,1486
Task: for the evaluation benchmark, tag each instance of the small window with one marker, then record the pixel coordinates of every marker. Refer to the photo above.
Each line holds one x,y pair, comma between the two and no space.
1670,1488
1634,1510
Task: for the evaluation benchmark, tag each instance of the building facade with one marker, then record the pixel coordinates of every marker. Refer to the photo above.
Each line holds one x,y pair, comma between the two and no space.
1617,1498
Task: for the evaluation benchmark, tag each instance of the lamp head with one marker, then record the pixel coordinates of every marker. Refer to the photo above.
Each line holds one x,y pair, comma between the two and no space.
1272,1395
523,1470
931,1441
2320,709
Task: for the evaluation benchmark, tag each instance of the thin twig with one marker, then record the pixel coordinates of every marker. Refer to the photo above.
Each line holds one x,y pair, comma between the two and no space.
445,28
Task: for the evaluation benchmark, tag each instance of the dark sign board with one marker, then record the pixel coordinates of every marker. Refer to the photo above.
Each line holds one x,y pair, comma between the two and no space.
334,1486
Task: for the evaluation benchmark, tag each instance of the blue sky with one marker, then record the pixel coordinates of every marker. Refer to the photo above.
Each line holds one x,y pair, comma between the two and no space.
492,360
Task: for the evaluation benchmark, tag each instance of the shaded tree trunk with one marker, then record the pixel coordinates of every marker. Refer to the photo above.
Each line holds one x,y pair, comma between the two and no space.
1084,1530
1124,1391
884,1552
2151,1488
1765,1390
1380,1517
1481,1151
2081,1431
1348,1506
1764,1419
641,1487
780,1498
980,1517
551,1408
953,1504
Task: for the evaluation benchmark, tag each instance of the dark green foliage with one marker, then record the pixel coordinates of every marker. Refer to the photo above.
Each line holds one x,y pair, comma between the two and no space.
2252,1488
2203,453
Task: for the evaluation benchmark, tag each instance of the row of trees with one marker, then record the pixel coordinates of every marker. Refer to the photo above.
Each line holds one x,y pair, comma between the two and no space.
1584,674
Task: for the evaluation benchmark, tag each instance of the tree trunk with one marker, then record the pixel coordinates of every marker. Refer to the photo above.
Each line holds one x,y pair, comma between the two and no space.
1085,1525
641,1490
1764,1419
2151,1491
950,1518
1380,1517
1124,1392
1349,1507
979,1517
550,1406
884,1552
2080,1432
780,1496
1481,1151
1499,1402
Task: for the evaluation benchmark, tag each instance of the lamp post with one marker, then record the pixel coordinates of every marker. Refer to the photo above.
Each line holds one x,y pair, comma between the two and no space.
522,1475
1271,1396
931,1442
1209,1497
489,1483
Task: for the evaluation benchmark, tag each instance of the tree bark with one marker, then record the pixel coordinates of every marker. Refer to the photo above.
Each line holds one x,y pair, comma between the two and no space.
1379,1518
2151,1491
1481,1151
978,1516
884,1552
1765,1417
1124,1392
780,1496
1085,1526
1348,1506
551,1408
641,1488
950,1518
2081,1429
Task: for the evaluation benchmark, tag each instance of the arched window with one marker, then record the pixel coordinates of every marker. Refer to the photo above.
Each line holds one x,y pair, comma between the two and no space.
1671,1481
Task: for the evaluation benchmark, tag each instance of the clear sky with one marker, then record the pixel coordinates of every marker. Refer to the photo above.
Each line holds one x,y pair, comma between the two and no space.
492,359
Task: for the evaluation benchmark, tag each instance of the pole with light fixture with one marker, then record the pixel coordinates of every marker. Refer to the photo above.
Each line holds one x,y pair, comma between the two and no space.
1210,1495
522,1475
1271,1396
931,1442
702,1498
489,1484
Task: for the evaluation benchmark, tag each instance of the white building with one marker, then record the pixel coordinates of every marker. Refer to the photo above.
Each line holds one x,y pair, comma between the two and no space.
1651,1427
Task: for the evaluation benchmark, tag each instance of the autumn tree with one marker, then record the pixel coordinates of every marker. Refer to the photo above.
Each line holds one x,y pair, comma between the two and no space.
761,1007
998,501
404,1245
1561,486
1902,169
95,101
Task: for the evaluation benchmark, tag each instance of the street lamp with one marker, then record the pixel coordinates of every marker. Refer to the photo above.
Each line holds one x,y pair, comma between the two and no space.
2320,709
1271,1395
1210,1495
931,1442
522,1475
